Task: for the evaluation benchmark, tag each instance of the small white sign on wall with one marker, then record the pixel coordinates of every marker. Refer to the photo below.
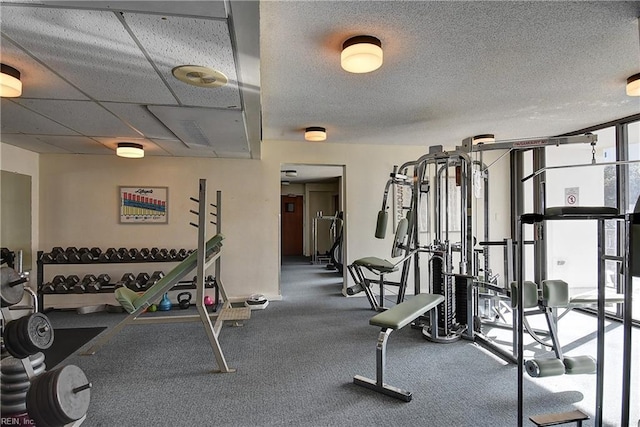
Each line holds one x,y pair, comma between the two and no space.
572,196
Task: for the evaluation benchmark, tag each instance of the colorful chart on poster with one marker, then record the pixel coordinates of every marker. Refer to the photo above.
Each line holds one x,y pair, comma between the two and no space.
144,205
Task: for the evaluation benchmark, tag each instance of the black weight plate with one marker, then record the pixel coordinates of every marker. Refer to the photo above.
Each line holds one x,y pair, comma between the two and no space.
14,387
48,415
51,399
10,295
21,376
21,328
36,411
39,332
12,340
14,397
72,405
16,408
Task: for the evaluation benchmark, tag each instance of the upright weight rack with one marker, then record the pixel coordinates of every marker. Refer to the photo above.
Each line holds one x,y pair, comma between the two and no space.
30,395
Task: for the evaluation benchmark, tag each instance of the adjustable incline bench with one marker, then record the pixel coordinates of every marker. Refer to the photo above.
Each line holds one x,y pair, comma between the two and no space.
394,318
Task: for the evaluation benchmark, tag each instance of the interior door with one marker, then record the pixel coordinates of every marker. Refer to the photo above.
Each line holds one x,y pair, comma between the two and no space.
291,214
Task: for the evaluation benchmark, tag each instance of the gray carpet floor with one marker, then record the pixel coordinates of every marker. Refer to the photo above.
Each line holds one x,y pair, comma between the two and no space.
295,362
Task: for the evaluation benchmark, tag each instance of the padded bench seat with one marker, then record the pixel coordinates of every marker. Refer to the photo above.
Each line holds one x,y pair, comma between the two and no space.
390,320
401,315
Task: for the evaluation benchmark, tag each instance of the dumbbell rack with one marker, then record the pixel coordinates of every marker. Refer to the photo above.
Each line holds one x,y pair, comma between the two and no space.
99,297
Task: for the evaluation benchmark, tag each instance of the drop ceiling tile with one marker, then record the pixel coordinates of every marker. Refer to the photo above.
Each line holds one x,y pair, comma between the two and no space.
220,130
86,117
140,118
37,80
32,143
77,144
17,119
175,41
89,48
179,149
210,8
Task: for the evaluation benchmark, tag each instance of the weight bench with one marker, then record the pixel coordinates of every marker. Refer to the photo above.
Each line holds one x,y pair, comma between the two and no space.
390,320
136,304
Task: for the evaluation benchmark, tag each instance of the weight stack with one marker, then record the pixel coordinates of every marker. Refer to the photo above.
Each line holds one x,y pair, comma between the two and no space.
15,385
442,285
461,300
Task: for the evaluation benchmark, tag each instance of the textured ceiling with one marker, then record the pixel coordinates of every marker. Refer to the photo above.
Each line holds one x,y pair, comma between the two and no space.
99,72
451,69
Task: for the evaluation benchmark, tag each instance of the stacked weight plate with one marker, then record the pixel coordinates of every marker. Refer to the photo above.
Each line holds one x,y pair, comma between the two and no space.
15,383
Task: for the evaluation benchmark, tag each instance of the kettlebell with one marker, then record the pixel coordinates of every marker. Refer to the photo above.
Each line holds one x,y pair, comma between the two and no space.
165,303
208,300
184,299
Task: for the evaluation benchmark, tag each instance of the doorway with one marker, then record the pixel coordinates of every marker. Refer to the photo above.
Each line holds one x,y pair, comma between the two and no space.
292,225
310,196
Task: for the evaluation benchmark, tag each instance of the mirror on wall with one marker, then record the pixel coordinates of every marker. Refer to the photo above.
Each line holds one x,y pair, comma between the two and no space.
15,214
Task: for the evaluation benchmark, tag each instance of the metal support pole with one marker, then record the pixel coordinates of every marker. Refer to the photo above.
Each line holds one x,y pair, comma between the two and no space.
520,320
600,339
627,320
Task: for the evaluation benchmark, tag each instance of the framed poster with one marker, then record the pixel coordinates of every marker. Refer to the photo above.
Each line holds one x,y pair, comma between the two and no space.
144,205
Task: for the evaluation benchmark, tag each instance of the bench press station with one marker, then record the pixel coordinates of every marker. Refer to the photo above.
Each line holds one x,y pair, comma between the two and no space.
390,320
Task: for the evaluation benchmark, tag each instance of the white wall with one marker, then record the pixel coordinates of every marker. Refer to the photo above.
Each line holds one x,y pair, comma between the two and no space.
79,207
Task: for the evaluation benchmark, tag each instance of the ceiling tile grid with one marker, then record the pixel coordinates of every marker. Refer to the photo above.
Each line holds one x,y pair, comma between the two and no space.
17,119
37,80
85,117
90,48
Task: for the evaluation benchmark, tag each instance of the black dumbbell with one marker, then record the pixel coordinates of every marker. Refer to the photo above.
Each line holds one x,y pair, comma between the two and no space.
157,275
50,287
182,254
140,282
172,255
162,255
124,254
75,256
81,287
153,254
127,278
69,255
143,254
133,253
90,255
100,282
63,287
110,255
51,256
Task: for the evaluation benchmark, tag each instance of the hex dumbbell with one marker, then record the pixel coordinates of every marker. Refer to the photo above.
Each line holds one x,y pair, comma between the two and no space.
101,281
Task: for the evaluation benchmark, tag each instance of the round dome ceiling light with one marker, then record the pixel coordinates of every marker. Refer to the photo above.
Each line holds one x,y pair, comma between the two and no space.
315,134
361,54
196,75
633,85
487,138
130,150
10,84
